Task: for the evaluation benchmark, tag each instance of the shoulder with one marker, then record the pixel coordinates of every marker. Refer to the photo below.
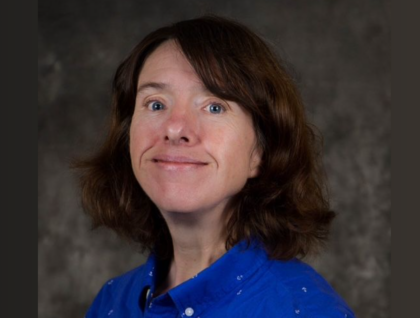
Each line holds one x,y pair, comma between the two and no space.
115,290
311,295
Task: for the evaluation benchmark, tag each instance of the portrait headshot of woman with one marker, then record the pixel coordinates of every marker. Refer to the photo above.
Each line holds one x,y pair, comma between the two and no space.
211,165
211,168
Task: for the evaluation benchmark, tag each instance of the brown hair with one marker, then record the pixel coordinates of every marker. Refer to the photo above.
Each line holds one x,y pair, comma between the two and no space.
285,207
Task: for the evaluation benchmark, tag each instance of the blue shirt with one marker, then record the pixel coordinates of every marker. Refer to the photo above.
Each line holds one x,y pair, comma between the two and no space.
244,282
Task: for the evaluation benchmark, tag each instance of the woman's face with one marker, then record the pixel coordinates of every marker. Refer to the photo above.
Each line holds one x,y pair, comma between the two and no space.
190,150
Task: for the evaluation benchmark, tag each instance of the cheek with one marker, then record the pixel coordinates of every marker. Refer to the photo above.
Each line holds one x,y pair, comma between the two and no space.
232,150
140,141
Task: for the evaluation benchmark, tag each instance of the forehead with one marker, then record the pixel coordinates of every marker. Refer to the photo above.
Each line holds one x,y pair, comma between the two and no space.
168,50
165,60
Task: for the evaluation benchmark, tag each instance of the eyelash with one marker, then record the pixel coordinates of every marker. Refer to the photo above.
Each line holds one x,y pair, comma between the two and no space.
217,104
148,102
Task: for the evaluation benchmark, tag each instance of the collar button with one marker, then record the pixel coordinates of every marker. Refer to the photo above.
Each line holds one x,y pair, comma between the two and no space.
189,311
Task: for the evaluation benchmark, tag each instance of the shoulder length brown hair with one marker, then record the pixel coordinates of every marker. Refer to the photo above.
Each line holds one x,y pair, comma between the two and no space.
285,207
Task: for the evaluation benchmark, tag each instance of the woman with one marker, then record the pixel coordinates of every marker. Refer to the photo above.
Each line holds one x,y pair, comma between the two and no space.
211,165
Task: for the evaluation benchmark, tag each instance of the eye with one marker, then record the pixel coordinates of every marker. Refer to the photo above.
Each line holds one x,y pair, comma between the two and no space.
154,105
216,108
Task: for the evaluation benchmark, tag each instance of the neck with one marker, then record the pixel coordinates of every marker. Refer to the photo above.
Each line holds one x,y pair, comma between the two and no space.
198,241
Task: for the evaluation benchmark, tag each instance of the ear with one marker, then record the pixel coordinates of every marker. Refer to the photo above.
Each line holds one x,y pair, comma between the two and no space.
255,161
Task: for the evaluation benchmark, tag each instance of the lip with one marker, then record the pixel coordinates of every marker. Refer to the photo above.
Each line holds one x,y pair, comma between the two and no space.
178,160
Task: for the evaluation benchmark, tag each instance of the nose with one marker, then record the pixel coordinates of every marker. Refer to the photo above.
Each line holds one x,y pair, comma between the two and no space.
181,128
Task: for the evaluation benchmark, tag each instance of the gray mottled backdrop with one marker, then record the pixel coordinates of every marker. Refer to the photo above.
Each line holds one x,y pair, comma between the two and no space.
340,49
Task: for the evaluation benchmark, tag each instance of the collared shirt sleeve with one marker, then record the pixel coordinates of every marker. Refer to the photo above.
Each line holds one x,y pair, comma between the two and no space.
101,301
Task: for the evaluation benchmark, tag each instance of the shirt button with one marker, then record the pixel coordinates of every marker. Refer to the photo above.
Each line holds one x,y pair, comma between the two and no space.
189,311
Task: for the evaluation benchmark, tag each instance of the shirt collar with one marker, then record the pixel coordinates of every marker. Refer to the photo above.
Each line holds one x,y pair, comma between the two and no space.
225,275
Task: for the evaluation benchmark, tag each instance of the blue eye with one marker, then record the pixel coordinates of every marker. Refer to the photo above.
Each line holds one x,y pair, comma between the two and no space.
155,105
216,108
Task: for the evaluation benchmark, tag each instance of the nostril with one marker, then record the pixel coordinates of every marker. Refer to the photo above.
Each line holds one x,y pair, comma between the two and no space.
179,139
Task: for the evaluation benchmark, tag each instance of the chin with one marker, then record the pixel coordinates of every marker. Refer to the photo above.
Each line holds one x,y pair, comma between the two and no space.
186,203
181,198
179,206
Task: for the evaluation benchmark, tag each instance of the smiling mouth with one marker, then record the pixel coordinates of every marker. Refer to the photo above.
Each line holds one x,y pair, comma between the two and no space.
177,160
177,163
172,162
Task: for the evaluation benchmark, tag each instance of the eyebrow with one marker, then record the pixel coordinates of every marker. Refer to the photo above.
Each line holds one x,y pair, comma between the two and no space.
154,85
163,86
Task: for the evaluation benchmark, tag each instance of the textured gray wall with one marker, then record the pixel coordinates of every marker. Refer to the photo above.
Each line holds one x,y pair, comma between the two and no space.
340,49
